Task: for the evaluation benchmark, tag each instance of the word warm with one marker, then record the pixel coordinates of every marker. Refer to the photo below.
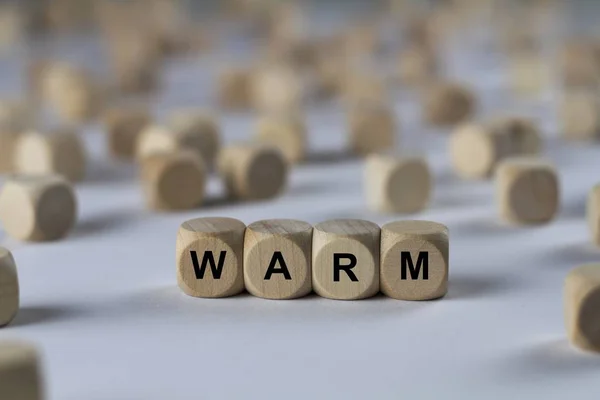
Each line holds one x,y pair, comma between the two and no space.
287,259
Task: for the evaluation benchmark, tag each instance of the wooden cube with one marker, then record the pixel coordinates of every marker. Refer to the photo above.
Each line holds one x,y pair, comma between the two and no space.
37,207
277,89
582,302
277,259
253,171
197,130
58,152
580,114
71,91
397,184
285,131
414,260
20,375
529,73
593,214
416,66
234,90
361,87
579,65
345,259
448,104
372,127
476,149
123,127
174,181
527,190
210,257
9,287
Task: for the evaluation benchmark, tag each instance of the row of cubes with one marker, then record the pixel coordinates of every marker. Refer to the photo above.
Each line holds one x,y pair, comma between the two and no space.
346,259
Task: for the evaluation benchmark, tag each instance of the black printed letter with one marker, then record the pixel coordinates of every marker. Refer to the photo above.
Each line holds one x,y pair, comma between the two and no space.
346,268
283,269
216,269
422,260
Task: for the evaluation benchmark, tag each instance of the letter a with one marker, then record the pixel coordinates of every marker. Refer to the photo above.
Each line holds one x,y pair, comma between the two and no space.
283,269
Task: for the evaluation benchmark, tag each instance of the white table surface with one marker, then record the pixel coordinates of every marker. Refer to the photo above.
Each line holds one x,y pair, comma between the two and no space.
105,310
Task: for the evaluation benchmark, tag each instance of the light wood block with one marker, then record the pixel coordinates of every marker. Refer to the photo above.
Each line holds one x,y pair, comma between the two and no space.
417,66
414,260
527,190
210,255
71,91
285,131
123,128
277,259
37,207
345,259
360,87
59,152
579,65
476,149
253,171
582,302
9,287
593,214
373,128
448,104
174,181
529,74
20,375
397,184
580,115
234,89
277,89
197,130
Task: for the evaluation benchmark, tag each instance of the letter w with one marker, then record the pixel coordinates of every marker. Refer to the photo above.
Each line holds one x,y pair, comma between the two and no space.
208,257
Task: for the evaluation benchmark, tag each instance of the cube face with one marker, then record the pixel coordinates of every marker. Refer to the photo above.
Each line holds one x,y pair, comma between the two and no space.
9,287
372,129
414,260
409,186
580,116
528,191
582,301
397,184
277,259
123,128
346,259
253,172
474,151
174,181
19,372
344,269
56,212
448,104
210,256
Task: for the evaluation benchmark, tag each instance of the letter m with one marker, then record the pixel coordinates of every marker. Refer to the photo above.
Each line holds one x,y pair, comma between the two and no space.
407,263
216,268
